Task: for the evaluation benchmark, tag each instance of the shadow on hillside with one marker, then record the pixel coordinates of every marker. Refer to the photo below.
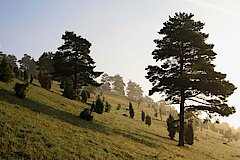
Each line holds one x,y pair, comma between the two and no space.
52,112
72,118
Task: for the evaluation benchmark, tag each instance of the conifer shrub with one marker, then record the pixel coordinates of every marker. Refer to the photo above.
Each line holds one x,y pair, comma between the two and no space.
69,92
171,127
131,110
118,106
20,90
5,70
93,107
107,107
99,106
189,135
143,116
148,120
85,95
86,115
44,79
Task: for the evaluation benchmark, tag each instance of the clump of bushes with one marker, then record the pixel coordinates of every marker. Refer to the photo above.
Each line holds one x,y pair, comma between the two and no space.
25,76
5,70
20,90
143,116
131,110
86,115
171,127
189,135
44,79
148,120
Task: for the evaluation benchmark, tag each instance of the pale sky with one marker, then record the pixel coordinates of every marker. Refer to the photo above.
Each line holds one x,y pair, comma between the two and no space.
121,32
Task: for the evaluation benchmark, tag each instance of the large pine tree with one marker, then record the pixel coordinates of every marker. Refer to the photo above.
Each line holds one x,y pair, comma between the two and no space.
186,73
73,62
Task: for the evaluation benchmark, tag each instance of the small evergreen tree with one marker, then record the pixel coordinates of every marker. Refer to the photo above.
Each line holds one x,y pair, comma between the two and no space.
16,72
99,106
5,70
44,79
69,91
85,95
86,115
189,135
31,78
107,107
20,90
148,120
143,116
171,127
131,110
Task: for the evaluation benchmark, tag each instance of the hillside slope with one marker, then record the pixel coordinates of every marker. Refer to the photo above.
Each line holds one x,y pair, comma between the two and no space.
45,125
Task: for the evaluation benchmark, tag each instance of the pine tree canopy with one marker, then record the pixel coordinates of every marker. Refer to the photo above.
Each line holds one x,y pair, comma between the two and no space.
185,64
72,60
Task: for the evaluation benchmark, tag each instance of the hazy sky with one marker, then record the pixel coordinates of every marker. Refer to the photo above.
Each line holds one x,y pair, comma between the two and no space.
121,32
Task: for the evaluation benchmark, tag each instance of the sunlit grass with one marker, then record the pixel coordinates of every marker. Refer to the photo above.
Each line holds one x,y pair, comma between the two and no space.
45,125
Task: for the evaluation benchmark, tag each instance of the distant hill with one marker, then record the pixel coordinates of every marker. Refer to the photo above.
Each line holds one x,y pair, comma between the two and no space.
46,125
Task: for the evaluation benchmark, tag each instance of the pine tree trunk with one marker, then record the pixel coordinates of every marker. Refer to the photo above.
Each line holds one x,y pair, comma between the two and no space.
181,130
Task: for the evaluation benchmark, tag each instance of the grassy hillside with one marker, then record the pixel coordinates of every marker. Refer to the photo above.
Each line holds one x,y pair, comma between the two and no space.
45,125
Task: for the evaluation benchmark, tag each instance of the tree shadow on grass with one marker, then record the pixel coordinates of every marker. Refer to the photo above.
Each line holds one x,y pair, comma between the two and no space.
35,106
73,119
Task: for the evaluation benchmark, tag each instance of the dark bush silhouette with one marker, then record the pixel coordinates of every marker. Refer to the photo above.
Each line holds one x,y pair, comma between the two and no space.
44,79
148,120
16,72
31,78
171,127
99,106
131,110
189,135
85,95
86,115
5,70
143,116
107,107
20,90
69,91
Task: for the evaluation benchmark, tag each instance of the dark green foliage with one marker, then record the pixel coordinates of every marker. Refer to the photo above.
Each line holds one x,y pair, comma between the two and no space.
45,62
131,110
45,79
5,70
85,95
186,71
93,107
171,127
16,72
86,115
69,91
143,116
189,134
107,107
72,61
31,79
20,90
148,120
25,76
99,106
118,106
